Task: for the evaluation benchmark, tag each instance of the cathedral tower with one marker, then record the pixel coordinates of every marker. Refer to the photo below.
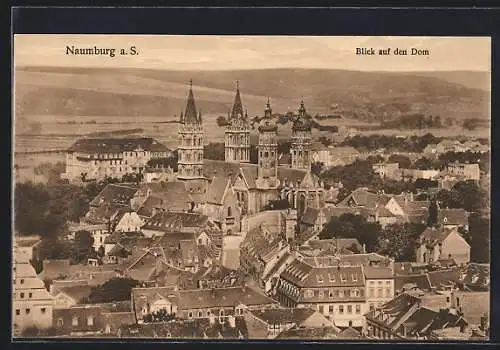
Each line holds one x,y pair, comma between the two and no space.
237,134
268,146
301,141
190,162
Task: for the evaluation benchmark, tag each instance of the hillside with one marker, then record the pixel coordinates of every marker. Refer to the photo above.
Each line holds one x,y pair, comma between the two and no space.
143,92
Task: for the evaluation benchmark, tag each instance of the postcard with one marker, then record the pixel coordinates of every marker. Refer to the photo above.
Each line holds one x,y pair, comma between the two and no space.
251,187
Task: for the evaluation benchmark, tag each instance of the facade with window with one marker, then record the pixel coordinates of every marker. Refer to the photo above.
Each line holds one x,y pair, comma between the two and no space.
337,292
109,157
32,304
78,320
379,286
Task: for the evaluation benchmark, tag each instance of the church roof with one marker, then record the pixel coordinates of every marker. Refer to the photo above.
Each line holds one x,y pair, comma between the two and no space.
190,115
237,112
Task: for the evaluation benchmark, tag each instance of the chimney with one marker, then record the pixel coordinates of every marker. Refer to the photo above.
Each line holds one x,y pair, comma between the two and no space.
364,248
231,321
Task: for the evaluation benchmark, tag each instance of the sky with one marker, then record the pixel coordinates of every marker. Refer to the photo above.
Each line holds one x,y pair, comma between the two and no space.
256,52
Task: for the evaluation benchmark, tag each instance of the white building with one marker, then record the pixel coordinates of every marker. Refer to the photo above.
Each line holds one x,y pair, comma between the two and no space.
111,157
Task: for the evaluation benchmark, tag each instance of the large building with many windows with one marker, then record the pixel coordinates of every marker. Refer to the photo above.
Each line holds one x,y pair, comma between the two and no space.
98,158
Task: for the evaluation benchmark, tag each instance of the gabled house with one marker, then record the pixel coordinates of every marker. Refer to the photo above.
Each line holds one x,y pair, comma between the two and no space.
441,244
270,323
223,206
65,297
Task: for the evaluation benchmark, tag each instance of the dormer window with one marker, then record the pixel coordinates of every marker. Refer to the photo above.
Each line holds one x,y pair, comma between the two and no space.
320,278
331,278
354,277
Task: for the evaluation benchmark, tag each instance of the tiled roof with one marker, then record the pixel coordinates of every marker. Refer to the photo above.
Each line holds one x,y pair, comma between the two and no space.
190,115
329,332
310,216
117,145
216,189
476,275
175,221
77,293
349,333
421,281
378,272
283,316
192,329
442,277
115,194
390,314
305,275
453,217
55,269
433,236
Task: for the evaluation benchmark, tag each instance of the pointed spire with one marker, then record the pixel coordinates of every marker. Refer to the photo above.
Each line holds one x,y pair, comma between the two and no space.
237,105
190,115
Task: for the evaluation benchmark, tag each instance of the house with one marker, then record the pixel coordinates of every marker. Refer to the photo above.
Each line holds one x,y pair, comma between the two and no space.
98,231
150,303
127,221
92,319
464,170
205,328
334,290
386,170
439,244
320,153
451,218
31,302
111,157
379,285
342,156
269,323
404,317
262,255
65,297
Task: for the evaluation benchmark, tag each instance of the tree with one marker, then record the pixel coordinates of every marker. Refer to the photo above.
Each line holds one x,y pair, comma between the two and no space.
432,219
399,241
116,289
479,230
222,121
83,246
403,161
352,226
101,252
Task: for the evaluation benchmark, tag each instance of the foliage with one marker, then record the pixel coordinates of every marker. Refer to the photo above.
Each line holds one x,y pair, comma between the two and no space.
465,194
403,161
425,163
30,332
414,121
483,159
432,219
158,316
399,241
473,123
82,246
116,289
222,121
479,231
352,226
214,151
391,143
358,174
425,184
376,159
167,162
52,172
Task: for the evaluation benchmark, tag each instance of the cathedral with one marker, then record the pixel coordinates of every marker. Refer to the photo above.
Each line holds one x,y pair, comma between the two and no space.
234,189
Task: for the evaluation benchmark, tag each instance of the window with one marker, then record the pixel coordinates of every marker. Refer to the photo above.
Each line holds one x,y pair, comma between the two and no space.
349,309
447,299
43,310
321,294
388,292
354,277
21,295
341,309
229,212
30,295
28,311
330,293
200,313
21,281
387,282
341,293
358,309
330,309
60,322
321,309
74,322
90,320
18,312
221,313
379,292
320,278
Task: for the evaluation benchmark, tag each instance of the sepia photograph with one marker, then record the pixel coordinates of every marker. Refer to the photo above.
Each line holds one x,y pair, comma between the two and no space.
202,187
